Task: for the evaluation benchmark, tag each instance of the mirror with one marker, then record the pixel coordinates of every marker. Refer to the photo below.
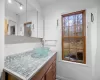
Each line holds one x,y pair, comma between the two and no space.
27,29
20,18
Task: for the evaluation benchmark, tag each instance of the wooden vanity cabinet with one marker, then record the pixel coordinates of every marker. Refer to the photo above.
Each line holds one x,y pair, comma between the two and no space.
48,72
43,78
54,70
51,72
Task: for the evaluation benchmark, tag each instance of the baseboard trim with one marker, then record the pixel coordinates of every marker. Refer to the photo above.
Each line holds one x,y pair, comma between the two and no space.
62,78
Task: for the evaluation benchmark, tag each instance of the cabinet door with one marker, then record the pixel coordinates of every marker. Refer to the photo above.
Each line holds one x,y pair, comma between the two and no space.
49,74
54,70
43,78
10,77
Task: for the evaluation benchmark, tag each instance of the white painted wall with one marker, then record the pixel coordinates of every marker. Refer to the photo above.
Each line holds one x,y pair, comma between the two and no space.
93,40
65,69
2,16
21,47
35,4
40,25
10,15
97,59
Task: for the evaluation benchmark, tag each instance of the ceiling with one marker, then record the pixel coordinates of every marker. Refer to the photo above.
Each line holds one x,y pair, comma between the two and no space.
44,3
14,7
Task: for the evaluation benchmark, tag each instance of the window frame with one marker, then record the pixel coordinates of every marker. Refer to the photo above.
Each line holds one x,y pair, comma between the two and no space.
83,12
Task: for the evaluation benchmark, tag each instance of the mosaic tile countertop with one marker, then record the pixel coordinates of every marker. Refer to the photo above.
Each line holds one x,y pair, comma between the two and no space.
25,65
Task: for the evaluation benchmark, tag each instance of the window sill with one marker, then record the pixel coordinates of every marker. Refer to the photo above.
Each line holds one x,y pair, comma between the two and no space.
75,63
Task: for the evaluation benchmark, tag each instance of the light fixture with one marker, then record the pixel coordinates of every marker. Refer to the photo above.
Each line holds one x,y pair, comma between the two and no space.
10,1
21,7
92,17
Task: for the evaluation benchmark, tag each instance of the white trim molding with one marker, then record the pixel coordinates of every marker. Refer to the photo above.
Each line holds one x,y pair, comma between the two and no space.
62,78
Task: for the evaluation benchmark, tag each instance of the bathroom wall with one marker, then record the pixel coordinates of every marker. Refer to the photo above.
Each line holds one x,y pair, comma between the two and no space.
93,37
97,59
35,4
11,49
52,13
11,15
2,12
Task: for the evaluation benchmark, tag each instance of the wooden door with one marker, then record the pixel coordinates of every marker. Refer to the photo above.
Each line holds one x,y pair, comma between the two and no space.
49,74
6,27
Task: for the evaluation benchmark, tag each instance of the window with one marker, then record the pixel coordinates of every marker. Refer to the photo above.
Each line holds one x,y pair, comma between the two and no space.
74,36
